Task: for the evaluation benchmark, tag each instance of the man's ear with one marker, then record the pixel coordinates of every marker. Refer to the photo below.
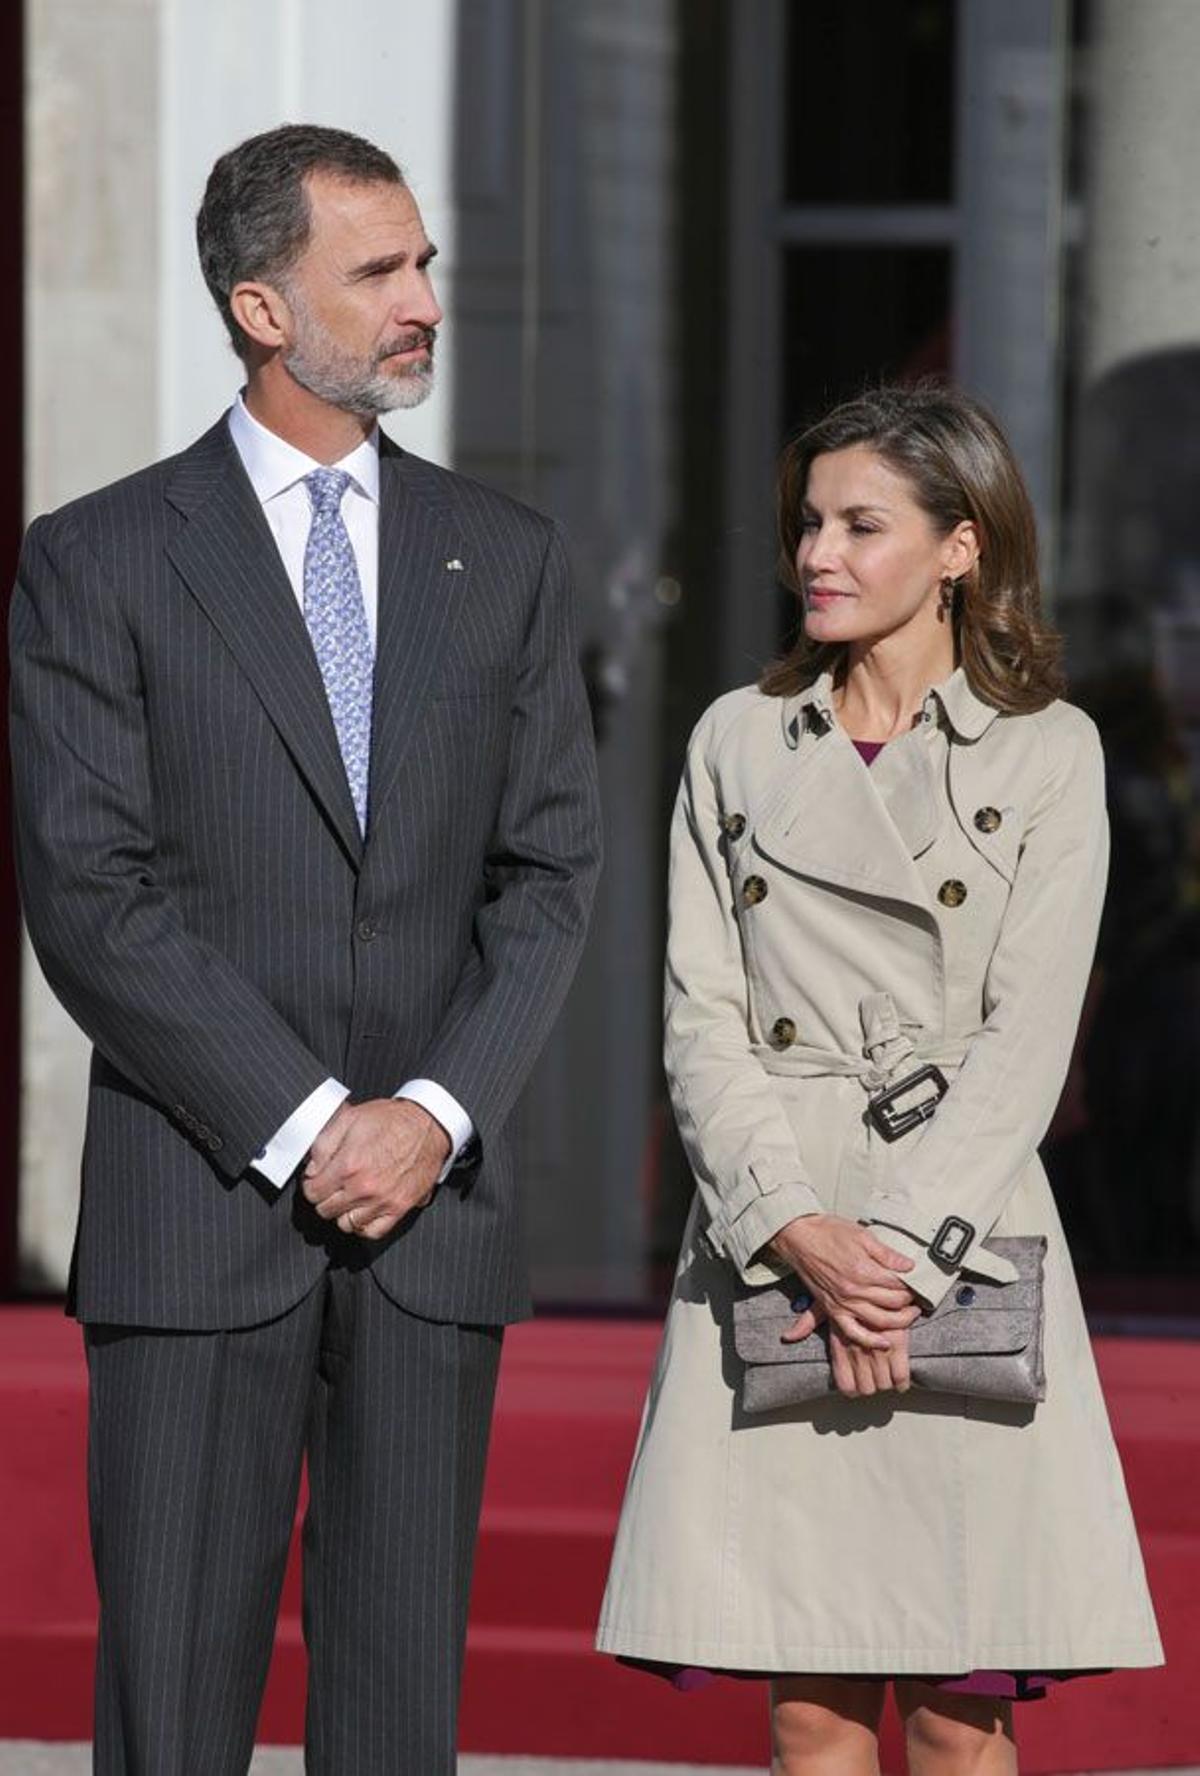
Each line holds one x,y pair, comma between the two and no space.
262,314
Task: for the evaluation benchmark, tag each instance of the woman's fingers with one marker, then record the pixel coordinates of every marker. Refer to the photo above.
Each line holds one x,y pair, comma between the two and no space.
901,1378
805,1323
891,1260
864,1369
883,1319
855,1333
881,1370
843,1371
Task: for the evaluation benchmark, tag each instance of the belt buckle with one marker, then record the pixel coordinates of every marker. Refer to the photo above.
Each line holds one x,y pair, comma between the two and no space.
895,1112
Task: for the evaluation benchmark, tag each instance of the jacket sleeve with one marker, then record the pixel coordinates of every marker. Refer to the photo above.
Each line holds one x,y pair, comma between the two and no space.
743,1152
539,874
967,1159
169,1011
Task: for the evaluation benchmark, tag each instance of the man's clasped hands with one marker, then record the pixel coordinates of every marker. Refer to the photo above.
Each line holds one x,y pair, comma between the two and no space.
857,1289
374,1163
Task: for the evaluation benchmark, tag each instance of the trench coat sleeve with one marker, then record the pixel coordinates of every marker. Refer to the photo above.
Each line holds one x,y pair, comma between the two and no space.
748,1168
968,1158
166,1008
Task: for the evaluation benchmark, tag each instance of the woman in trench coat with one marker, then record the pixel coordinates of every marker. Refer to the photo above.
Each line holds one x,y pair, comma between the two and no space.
842,912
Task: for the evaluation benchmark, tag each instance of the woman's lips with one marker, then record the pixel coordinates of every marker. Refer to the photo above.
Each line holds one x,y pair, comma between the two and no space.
823,595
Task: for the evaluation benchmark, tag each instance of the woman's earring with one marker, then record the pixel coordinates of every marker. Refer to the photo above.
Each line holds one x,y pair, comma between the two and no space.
948,589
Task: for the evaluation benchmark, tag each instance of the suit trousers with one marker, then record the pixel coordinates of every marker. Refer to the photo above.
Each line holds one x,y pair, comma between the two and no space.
195,1447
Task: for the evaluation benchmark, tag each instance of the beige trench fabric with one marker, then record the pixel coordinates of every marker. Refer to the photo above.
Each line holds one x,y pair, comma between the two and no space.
914,1533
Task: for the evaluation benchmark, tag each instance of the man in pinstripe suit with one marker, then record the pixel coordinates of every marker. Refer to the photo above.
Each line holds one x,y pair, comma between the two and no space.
307,839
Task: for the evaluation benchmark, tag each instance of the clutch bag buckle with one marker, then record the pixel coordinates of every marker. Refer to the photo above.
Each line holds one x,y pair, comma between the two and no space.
908,1103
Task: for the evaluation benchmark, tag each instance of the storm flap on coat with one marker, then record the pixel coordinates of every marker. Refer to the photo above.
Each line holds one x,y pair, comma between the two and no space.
962,876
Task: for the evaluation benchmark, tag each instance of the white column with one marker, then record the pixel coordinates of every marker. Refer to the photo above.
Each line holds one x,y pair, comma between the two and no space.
1142,266
130,102
91,317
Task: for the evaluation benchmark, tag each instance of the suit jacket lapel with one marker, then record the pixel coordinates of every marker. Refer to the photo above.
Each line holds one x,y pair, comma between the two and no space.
228,559
418,596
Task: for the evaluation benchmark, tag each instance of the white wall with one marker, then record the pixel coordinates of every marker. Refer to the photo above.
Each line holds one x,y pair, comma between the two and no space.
383,68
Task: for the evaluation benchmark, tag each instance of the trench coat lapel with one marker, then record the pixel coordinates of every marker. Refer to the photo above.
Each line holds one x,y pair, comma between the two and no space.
828,817
228,559
423,569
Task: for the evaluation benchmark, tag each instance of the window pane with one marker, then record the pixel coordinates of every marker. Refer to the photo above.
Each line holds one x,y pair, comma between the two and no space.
871,87
859,315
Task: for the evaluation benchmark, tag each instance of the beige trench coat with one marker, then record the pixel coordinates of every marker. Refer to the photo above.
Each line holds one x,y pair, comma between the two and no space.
916,1533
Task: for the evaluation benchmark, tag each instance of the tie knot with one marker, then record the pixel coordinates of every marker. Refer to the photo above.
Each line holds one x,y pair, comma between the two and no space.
325,489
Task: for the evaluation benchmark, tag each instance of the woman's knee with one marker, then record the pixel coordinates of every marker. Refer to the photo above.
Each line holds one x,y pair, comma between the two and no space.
959,1738
825,1726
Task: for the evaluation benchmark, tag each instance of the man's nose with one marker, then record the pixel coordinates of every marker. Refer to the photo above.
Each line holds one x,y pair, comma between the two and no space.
422,309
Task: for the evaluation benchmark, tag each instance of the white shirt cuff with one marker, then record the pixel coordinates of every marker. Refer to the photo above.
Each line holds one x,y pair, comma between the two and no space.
288,1145
444,1109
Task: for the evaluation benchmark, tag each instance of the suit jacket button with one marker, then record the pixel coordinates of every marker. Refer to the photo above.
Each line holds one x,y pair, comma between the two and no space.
754,889
952,893
988,819
367,930
733,825
214,1143
783,1032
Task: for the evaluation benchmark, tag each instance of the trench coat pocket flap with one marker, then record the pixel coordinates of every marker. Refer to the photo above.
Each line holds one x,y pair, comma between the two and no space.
984,1340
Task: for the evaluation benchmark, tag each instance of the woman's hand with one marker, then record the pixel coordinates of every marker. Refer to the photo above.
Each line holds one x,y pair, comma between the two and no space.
854,1278
859,1373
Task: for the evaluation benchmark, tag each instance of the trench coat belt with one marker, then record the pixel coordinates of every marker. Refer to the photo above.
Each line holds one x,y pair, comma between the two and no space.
805,1061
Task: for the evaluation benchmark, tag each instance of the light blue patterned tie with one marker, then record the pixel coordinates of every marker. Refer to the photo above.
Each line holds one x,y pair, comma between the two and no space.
337,622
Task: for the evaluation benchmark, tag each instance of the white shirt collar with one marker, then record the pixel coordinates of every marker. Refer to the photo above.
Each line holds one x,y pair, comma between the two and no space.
274,465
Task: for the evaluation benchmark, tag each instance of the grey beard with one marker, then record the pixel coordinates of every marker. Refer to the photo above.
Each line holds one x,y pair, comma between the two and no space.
365,390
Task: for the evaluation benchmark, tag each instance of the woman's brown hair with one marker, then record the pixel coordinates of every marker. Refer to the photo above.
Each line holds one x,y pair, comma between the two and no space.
960,468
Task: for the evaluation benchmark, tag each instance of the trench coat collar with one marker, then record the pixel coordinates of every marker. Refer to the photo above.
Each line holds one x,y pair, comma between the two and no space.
965,713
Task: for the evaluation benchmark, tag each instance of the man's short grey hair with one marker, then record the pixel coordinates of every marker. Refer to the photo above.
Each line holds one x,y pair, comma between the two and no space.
255,219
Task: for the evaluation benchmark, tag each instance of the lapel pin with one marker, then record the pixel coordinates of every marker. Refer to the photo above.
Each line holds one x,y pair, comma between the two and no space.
454,565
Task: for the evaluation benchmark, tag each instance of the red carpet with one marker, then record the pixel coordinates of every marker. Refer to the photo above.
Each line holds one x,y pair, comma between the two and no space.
570,1396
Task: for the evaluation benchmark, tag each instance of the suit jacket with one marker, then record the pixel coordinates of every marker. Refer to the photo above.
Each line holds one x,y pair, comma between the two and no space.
202,901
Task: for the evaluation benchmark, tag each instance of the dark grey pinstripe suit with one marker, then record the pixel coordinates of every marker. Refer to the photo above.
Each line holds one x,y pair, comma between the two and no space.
201,900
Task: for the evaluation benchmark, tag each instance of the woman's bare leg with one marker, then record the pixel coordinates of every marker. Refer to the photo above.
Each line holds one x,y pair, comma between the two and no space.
951,1735
825,1726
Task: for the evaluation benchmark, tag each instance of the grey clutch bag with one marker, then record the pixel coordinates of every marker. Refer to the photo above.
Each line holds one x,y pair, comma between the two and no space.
983,1339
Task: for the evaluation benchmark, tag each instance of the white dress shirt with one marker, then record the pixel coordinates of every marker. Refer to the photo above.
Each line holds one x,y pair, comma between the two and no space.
277,470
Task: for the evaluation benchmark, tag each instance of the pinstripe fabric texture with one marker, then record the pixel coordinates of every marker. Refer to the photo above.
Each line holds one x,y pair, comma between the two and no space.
194,1459
203,902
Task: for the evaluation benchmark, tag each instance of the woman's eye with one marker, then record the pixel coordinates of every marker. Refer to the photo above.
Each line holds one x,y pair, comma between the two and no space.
863,530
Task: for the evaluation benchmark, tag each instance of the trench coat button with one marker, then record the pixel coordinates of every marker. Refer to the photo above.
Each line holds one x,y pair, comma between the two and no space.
754,889
783,1033
952,892
733,825
964,1296
988,819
